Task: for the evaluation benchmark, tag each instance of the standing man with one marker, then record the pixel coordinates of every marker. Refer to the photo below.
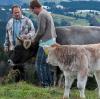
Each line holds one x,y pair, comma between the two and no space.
45,35
18,25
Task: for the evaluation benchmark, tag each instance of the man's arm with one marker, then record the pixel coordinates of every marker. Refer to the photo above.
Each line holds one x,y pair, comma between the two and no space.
41,28
6,43
31,29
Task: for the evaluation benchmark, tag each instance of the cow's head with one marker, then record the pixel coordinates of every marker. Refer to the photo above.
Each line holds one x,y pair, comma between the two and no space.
26,42
23,51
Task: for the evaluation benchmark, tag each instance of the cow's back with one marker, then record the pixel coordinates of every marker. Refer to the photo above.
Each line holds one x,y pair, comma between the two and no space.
78,34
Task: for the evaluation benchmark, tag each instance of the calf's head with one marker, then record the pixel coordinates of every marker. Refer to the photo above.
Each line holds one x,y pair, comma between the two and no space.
52,59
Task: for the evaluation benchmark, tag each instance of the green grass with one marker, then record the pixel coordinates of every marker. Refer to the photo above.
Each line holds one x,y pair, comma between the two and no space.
72,20
22,90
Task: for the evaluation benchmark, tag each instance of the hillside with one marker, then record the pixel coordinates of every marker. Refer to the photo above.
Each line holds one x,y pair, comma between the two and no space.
10,2
63,20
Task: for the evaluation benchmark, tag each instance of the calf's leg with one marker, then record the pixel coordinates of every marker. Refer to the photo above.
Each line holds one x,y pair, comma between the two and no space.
81,82
97,76
68,82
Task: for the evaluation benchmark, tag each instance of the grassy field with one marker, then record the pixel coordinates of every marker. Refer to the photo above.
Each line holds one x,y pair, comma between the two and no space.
70,19
22,90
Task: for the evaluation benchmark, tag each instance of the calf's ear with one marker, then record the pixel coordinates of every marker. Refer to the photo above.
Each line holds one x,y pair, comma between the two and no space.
55,45
49,48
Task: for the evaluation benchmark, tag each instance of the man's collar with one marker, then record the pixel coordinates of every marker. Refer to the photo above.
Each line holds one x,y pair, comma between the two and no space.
22,16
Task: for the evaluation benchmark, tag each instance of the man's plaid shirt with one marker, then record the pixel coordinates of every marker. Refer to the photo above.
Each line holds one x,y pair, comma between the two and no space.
27,28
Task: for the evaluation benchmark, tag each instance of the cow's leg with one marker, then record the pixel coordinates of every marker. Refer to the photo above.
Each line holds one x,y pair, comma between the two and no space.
97,76
60,80
81,82
68,82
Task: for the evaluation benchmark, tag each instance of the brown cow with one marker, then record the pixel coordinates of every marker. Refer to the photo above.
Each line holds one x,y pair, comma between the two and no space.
76,61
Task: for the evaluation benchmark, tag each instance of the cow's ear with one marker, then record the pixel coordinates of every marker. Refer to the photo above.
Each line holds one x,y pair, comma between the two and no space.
27,44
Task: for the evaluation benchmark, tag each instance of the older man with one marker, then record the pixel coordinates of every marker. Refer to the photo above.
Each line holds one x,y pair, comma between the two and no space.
18,25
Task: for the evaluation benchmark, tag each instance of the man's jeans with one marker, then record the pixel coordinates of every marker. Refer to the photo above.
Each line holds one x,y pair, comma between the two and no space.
43,69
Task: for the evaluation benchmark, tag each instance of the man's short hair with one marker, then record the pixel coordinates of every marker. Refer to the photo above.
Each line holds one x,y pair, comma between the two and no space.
34,3
15,6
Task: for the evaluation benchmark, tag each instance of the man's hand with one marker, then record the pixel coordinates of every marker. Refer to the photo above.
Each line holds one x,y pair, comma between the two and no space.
33,42
11,47
24,37
5,49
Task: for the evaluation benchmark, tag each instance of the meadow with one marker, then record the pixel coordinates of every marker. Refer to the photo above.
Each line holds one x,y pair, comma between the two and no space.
23,90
